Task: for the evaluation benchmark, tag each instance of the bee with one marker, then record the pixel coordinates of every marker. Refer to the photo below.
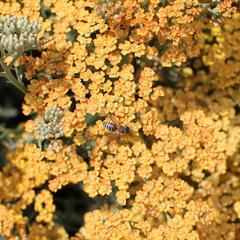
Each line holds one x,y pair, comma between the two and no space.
124,129
113,127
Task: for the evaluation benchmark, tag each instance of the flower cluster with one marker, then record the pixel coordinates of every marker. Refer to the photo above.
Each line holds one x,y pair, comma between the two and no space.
44,205
221,53
6,221
176,174
50,128
17,34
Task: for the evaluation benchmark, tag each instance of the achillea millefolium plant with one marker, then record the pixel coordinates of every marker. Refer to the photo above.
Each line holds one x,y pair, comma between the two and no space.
129,128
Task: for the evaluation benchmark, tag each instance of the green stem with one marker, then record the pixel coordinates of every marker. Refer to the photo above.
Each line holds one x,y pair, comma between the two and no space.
11,78
14,59
2,74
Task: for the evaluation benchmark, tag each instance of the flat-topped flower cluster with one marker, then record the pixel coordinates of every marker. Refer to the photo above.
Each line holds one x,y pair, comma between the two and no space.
166,69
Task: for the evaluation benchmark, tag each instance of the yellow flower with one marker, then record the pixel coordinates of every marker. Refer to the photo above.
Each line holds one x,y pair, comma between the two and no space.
44,206
6,221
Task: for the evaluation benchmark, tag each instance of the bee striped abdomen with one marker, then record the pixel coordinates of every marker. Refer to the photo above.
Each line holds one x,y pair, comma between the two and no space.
124,129
110,126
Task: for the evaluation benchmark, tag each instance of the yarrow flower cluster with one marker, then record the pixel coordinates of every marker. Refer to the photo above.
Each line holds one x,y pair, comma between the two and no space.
221,54
18,34
110,10
176,174
44,206
50,128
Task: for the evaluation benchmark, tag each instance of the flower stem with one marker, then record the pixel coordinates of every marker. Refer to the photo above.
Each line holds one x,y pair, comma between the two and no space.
8,75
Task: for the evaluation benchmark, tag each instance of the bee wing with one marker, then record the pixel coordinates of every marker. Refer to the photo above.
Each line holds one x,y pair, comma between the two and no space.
114,119
113,136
